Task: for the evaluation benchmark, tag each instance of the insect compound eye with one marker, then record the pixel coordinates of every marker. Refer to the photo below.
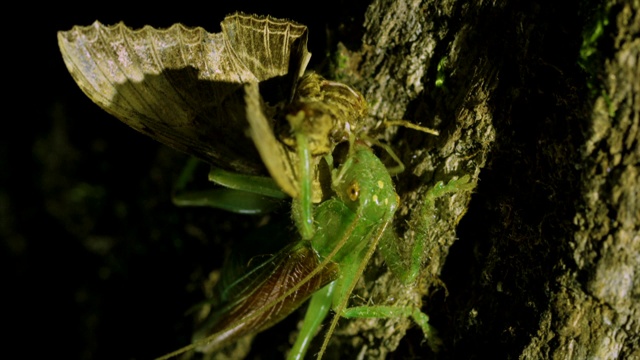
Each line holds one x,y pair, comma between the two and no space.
353,191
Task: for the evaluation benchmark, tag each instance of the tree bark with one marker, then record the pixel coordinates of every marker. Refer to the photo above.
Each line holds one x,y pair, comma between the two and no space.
540,105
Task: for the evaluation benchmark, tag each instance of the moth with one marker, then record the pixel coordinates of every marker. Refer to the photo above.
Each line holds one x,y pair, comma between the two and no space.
237,99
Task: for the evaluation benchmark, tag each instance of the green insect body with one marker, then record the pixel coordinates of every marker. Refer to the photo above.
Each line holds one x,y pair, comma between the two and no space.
363,206
350,226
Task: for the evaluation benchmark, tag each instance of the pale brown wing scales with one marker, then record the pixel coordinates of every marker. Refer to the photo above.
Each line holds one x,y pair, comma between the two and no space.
183,86
267,45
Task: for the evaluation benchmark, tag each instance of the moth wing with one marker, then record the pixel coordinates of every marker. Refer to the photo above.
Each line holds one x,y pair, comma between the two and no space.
271,49
183,86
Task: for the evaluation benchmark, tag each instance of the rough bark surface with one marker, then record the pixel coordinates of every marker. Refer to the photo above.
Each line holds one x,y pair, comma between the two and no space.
594,308
397,69
547,260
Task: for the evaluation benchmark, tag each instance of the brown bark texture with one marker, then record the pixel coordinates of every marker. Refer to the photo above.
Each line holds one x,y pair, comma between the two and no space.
541,106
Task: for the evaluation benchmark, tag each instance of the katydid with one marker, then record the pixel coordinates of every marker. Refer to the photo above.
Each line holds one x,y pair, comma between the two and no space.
350,226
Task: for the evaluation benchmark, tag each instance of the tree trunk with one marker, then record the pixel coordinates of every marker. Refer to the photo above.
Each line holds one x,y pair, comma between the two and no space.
540,104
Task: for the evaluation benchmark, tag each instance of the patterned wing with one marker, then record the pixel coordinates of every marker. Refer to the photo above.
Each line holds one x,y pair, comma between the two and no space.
185,87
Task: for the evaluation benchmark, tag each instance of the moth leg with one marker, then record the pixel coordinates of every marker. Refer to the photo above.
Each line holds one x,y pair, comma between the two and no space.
410,125
319,306
242,193
407,124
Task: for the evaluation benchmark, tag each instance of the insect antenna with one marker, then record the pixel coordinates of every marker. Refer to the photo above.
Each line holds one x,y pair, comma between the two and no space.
410,125
389,123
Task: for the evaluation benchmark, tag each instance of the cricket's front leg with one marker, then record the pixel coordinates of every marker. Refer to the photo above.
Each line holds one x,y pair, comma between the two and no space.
406,265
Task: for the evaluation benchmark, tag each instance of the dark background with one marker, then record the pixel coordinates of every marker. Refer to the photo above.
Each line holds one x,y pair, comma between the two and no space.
97,262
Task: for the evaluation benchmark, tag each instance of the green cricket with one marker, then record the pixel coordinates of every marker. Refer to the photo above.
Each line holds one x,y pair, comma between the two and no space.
350,226
293,138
